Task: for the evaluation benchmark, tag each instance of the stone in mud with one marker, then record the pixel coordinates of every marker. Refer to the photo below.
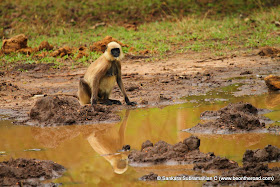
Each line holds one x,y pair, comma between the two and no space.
272,82
267,154
54,110
28,172
192,143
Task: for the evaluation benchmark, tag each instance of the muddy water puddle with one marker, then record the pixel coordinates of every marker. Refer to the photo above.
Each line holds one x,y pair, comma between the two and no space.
92,156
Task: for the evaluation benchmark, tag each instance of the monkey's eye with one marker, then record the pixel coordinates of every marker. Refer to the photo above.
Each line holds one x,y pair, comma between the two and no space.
115,52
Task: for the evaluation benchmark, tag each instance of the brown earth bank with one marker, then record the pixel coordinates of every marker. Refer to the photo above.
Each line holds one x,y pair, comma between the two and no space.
186,152
255,168
160,83
234,118
18,44
29,172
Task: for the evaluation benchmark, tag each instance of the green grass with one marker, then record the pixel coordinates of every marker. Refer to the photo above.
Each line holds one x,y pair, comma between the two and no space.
220,36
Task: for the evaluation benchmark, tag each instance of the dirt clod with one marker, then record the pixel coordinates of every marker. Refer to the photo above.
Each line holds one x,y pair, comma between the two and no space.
234,118
53,110
28,172
100,46
272,82
269,51
13,44
186,152
45,45
62,52
146,144
216,164
267,154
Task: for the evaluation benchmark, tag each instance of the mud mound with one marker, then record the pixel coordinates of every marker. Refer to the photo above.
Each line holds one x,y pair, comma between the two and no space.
82,52
234,118
160,152
237,107
53,110
186,152
254,173
269,51
100,46
272,82
267,154
44,45
61,52
13,44
28,172
216,164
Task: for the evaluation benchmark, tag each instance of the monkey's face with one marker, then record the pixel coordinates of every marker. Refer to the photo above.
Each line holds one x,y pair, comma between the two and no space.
115,52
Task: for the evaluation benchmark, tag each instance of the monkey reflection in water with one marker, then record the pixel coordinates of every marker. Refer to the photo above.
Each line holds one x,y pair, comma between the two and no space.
108,143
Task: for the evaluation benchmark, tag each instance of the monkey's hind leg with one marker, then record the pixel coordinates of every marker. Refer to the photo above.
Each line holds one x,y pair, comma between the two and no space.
84,92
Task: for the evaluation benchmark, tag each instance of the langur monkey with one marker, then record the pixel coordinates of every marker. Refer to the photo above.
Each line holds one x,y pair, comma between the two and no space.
101,77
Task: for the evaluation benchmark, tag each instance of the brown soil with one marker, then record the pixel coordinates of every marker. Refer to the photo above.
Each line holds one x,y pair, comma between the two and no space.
253,166
267,154
234,118
44,45
250,170
100,46
154,84
56,110
186,152
13,44
28,172
216,163
61,52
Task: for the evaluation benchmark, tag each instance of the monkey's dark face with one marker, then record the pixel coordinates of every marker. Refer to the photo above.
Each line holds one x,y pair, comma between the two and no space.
115,52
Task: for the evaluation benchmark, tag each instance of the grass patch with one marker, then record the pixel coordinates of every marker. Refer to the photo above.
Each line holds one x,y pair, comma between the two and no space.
220,36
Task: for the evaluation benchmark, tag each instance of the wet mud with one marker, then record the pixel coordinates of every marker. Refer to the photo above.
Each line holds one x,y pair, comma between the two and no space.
66,110
186,152
28,172
255,169
267,154
234,118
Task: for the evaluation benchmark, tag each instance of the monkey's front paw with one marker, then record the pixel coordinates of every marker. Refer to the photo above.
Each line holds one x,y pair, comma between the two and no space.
93,102
132,103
